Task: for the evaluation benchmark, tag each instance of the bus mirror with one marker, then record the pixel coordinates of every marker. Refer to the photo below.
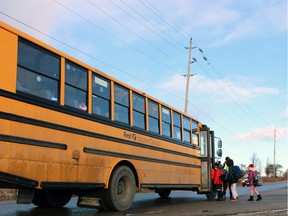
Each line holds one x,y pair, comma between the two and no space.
219,153
219,143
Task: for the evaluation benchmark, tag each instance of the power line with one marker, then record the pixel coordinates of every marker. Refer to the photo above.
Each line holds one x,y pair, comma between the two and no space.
156,11
176,28
97,25
130,30
250,111
175,43
112,35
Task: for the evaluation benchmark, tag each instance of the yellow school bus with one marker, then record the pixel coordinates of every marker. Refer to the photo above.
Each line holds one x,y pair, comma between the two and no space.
67,129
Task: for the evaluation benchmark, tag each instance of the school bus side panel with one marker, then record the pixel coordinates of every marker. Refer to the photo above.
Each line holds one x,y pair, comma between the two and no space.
8,60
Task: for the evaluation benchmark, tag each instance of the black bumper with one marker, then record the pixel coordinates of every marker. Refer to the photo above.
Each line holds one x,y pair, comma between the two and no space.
14,181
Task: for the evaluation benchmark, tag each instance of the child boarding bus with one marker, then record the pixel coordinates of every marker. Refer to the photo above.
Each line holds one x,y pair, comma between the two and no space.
68,129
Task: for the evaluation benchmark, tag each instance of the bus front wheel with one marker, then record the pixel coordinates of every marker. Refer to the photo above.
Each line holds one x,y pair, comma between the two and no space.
121,190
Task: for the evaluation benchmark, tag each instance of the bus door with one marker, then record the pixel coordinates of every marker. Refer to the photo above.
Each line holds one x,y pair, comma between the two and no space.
206,152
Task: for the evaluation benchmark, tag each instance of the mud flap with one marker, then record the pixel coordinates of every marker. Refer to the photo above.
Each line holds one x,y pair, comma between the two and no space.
25,195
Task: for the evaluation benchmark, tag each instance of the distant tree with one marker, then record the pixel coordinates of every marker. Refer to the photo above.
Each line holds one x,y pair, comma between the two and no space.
285,174
243,168
269,170
257,162
259,166
278,170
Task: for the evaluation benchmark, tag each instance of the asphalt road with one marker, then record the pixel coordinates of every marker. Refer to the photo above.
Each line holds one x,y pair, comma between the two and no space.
182,203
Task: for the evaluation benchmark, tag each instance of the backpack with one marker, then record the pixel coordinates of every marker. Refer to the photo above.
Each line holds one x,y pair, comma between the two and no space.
257,179
237,173
224,176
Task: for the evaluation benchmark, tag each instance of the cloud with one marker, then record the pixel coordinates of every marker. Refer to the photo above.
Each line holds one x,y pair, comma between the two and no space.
41,15
222,90
227,21
262,134
176,82
285,113
227,89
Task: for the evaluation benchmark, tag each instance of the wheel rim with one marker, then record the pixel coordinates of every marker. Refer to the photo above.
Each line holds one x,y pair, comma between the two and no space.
123,192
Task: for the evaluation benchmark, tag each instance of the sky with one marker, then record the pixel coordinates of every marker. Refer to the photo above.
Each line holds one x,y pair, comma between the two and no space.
239,82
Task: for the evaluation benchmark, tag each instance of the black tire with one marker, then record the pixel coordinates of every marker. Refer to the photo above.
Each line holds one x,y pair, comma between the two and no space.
51,198
39,199
121,190
163,192
58,198
211,196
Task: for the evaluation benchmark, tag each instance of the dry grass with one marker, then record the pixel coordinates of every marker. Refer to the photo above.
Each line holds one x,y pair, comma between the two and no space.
8,194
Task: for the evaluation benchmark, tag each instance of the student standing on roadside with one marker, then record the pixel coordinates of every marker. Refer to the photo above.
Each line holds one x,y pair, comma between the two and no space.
225,179
233,179
217,180
251,176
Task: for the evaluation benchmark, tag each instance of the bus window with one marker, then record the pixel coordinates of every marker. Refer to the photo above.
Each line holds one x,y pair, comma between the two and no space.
138,111
38,71
195,132
101,96
75,86
153,116
186,124
177,126
166,122
121,105
204,143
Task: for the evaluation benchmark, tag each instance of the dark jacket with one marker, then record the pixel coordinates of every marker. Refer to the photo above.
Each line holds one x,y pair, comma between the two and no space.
231,178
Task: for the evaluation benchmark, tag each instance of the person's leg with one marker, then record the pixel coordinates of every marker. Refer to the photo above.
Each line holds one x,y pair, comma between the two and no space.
230,192
255,190
224,187
236,193
233,191
258,194
251,193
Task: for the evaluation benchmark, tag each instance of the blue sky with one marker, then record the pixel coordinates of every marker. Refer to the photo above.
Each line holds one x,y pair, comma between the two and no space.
240,91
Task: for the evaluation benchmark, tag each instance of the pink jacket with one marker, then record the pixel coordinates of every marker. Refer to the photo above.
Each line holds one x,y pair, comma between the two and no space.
251,175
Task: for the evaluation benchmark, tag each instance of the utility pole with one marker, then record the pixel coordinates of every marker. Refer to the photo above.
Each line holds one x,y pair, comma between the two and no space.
188,76
274,166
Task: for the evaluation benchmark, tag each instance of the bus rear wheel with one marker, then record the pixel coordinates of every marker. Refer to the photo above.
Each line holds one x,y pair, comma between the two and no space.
39,199
163,192
121,190
58,198
51,198
211,195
